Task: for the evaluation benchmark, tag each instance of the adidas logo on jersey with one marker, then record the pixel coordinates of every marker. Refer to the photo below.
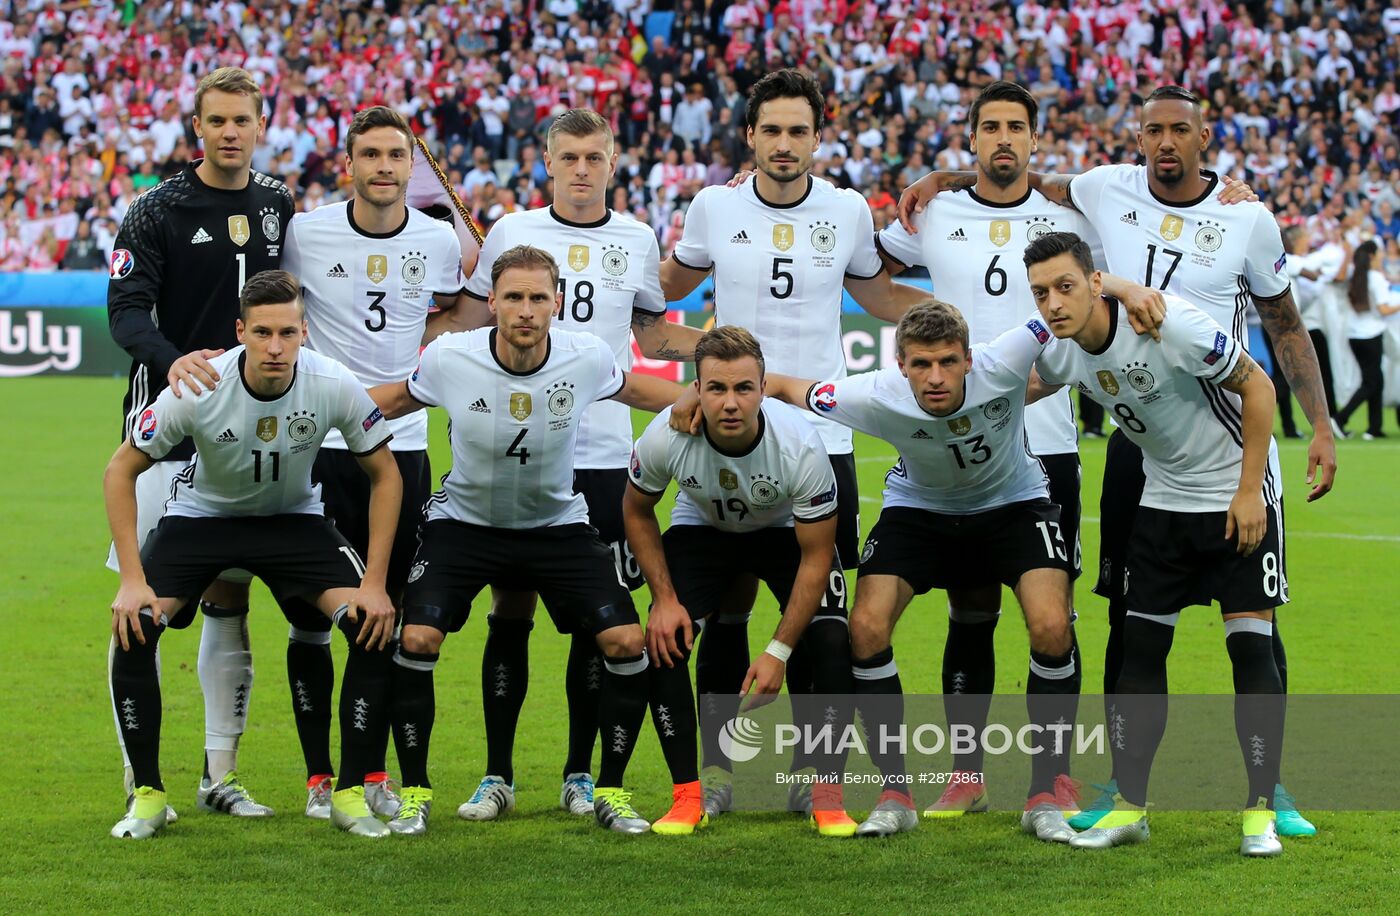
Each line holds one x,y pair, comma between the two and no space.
920,434
480,406
740,238
691,482
337,273
1130,218
958,236
200,237
226,436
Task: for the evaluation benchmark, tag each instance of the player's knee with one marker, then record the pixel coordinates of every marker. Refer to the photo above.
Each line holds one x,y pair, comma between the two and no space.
624,641
1051,634
137,656
869,634
421,640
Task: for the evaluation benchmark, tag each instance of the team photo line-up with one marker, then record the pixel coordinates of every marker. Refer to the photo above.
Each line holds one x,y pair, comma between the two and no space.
275,426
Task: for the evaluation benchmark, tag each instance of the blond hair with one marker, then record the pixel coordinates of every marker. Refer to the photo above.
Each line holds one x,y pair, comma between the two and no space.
233,80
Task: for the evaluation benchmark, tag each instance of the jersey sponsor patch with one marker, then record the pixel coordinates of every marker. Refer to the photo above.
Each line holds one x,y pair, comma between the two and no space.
146,426
122,264
825,398
1218,350
375,416
636,466
822,499
1041,332
1282,260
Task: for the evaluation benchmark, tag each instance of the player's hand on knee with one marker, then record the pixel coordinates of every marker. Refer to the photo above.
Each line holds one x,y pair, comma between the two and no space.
1247,521
664,621
1234,191
194,369
739,178
1147,309
377,630
685,413
126,612
765,676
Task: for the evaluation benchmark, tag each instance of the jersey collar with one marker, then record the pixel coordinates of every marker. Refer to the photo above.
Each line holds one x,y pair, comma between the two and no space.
548,349
350,215
607,215
266,398
1112,327
762,428
1214,180
972,193
796,203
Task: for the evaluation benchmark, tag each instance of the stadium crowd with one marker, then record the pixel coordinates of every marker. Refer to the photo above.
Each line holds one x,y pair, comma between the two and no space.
96,97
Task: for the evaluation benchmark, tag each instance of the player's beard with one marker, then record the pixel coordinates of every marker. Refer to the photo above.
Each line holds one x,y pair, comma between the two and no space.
799,169
1170,178
1004,175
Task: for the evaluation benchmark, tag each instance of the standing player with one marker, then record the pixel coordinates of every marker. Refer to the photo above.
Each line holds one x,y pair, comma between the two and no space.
182,256
966,505
756,497
507,514
1211,522
248,502
781,248
970,242
608,278
1164,222
371,268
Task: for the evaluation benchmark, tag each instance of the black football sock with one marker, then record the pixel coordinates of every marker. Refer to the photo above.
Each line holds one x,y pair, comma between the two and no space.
828,644
721,661
969,680
412,710
799,674
364,704
505,676
1280,656
1142,702
1259,712
311,677
880,700
136,695
621,709
583,684
673,714
1052,702
1113,664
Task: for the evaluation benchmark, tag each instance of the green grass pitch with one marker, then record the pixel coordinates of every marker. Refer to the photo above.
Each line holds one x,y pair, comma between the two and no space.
62,765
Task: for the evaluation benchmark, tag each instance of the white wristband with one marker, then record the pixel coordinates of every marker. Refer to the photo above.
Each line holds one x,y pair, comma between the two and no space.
780,651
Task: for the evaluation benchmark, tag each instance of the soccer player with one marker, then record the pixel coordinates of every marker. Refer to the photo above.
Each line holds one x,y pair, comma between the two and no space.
756,497
1145,215
248,502
608,278
1211,522
507,514
182,255
965,506
371,269
969,241
781,248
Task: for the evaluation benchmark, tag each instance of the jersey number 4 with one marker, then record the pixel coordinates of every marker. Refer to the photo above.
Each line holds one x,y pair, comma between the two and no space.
517,448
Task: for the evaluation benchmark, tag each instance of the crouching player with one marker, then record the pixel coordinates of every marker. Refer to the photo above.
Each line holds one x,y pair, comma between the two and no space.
757,497
247,502
1210,526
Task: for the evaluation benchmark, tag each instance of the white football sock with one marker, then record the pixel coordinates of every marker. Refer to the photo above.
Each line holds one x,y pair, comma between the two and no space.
226,677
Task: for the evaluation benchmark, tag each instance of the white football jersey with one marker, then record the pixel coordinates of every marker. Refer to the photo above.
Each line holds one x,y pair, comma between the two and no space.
513,435
253,455
607,270
784,475
1166,398
969,461
1214,255
779,272
368,295
972,248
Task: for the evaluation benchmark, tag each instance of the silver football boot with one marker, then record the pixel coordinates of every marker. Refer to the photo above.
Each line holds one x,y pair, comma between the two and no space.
383,797
318,799
576,794
890,816
719,790
1047,822
350,813
412,817
227,796
145,815
614,811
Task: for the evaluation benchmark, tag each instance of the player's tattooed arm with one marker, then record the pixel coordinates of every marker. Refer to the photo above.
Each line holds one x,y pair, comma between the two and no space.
662,339
1246,520
1054,187
917,196
1297,359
